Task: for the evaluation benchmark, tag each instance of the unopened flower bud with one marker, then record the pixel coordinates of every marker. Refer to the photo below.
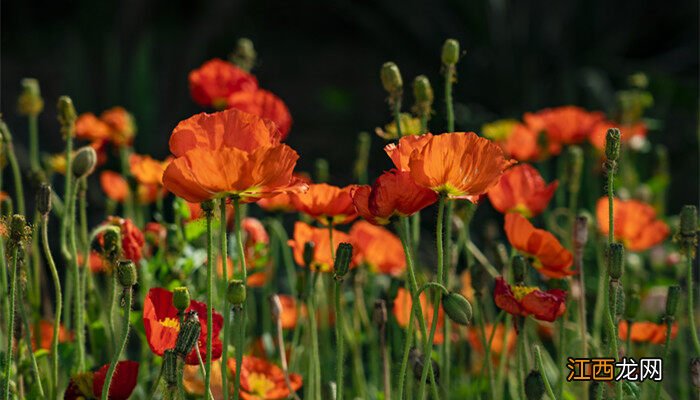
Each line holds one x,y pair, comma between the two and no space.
309,250
695,372
343,256
423,94
612,144
112,245
674,293
188,336
617,293
207,207
391,78
534,386
616,260
30,102
519,265
126,273
244,55
43,199
170,367
66,115
689,220
379,315
450,52
19,231
633,304
181,298
236,292
417,361
84,162
457,308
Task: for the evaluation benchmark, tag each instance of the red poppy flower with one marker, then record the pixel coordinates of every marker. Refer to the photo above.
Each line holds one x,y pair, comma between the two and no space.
636,225
95,263
401,151
46,335
91,128
216,80
563,125
393,194
628,132
403,304
89,385
550,257
132,238
261,380
646,332
527,300
162,325
326,203
379,248
289,314
522,190
263,104
322,259
516,139
115,186
121,125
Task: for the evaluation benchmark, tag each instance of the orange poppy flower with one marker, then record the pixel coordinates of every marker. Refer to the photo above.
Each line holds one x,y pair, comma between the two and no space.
628,132
646,332
161,322
95,263
322,259
400,152
261,380
216,80
516,139
550,257
636,225
498,344
263,104
528,300
403,304
326,203
121,125
216,157
563,125
123,382
146,170
115,186
194,383
380,249
89,127
46,335
393,194
132,238
522,190
283,201
289,314
460,165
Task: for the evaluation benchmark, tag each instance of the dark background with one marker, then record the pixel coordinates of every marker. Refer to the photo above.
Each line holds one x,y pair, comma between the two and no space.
323,58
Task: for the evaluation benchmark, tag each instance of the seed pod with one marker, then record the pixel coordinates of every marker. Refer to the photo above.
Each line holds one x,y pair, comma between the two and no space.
236,292
43,199
30,102
391,78
534,385
612,144
519,265
457,308
188,336
450,52
674,293
126,273
66,115
616,260
689,220
619,296
181,298
343,256
84,162
309,250
170,367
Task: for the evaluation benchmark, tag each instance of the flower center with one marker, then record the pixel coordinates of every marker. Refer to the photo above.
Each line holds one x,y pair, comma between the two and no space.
259,384
521,291
170,323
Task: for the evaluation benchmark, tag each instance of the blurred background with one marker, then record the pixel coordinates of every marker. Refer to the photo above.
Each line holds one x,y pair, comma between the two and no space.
323,60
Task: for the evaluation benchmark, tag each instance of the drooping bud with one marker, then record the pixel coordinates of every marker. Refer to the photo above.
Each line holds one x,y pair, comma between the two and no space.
391,78
343,256
30,102
519,265
85,160
188,336
309,249
423,94
43,199
244,55
236,292
534,386
170,367
126,273
612,144
66,116
379,315
450,52
672,297
633,304
616,260
457,308
181,298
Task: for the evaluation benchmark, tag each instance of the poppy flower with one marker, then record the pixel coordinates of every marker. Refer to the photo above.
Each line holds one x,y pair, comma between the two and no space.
229,153
380,249
262,380
549,257
193,381
393,194
522,190
499,343
516,139
400,152
146,170
646,332
91,128
636,224
263,104
216,80
326,203
403,304
95,263
629,133
322,259
121,125
282,202
46,335
132,238
460,165
563,125
527,300
90,384
289,314
161,322
115,186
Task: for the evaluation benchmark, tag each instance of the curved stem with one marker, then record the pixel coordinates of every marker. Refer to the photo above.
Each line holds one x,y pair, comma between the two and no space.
540,366
243,310
223,240
128,295
58,301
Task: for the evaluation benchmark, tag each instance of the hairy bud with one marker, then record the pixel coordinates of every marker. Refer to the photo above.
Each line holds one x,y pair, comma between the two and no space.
343,256
43,199
236,292
450,52
126,273
457,308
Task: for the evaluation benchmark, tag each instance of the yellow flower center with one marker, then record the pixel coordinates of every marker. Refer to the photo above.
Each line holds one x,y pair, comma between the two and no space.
522,209
521,291
260,384
170,323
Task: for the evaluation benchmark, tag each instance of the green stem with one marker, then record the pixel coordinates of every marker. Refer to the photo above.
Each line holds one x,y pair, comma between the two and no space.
449,79
486,344
79,308
315,358
519,360
406,351
128,296
540,366
210,302
16,176
10,325
67,212
223,240
445,348
243,310
58,301
397,116
339,337
33,142
691,306
667,348
28,339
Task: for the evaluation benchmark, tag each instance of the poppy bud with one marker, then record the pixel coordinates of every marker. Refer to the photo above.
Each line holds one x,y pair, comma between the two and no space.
30,102
208,207
632,306
519,265
43,199
181,298
309,248
112,245
236,292
457,308
612,144
379,316
534,385
689,220
275,306
66,115
423,93
575,168
616,260
450,52
244,56
695,372
170,367
188,336
674,293
126,273
343,256
19,231
391,78
417,361
84,162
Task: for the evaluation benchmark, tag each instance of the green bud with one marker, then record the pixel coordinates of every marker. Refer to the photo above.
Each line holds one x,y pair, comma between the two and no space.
188,336
343,256
19,231
674,293
30,102
612,144
450,52
112,245
66,115
208,207
181,298
423,94
519,265
43,199
85,160
457,308
616,260
126,273
309,250
689,220
534,386
244,55
575,168
236,292
633,304
170,367
391,78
